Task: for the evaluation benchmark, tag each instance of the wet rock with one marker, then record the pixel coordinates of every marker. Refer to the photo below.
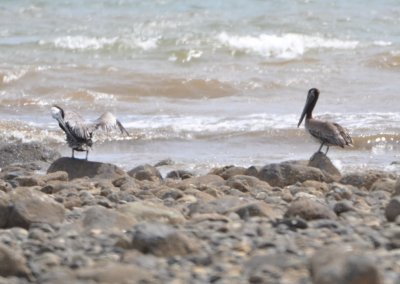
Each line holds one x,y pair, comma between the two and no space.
392,210
31,206
365,179
288,173
257,208
309,209
248,184
179,174
335,266
145,172
292,223
76,168
162,240
252,171
148,211
321,161
26,152
5,209
13,263
166,162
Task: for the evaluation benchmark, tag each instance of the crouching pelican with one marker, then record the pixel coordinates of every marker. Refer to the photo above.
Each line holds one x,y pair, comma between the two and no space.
79,132
328,133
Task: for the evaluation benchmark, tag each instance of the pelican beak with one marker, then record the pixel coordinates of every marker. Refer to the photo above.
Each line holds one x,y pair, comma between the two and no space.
303,114
305,110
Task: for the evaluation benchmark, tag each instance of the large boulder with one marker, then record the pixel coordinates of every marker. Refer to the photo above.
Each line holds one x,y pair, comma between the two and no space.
76,168
28,206
25,153
288,173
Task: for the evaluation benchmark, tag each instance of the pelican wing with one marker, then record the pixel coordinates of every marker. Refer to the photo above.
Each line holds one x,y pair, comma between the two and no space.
326,132
344,133
107,122
76,126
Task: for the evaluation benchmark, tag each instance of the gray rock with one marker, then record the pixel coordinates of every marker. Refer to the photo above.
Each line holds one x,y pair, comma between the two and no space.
384,184
100,219
166,162
13,263
365,179
321,161
31,206
228,171
343,206
148,211
397,188
335,266
203,180
393,209
114,273
248,184
309,209
221,206
162,240
76,168
257,208
288,173
179,174
5,209
26,152
145,172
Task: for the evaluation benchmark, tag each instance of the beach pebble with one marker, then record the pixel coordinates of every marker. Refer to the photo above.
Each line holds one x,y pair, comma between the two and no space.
335,266
392,210
309,209
248,184
257,208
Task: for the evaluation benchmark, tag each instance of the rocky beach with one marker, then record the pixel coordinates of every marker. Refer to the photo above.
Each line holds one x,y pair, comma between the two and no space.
74,221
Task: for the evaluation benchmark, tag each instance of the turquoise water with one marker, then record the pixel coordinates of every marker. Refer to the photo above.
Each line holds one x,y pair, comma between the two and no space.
204,82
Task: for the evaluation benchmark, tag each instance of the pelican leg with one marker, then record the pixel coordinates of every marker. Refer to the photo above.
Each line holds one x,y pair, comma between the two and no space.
73,157
87,153
322,144
327,149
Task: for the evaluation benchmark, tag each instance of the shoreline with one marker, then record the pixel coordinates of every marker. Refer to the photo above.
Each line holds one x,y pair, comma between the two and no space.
288,222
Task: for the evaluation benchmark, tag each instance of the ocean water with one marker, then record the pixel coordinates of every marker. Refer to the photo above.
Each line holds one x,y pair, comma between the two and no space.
204,83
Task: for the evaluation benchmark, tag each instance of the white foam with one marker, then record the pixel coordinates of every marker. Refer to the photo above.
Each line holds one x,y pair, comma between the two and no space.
286,46
11,76
81,42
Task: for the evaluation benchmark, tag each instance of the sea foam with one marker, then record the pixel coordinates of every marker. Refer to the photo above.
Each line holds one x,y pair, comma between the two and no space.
286,46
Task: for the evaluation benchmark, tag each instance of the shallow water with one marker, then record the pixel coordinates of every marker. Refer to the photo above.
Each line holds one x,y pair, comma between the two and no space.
204,83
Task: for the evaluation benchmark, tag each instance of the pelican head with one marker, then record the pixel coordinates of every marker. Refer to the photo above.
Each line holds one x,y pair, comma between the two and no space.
57,113
312,98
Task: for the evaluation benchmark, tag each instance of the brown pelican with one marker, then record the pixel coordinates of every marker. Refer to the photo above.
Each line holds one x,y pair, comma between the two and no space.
328,133
80,132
